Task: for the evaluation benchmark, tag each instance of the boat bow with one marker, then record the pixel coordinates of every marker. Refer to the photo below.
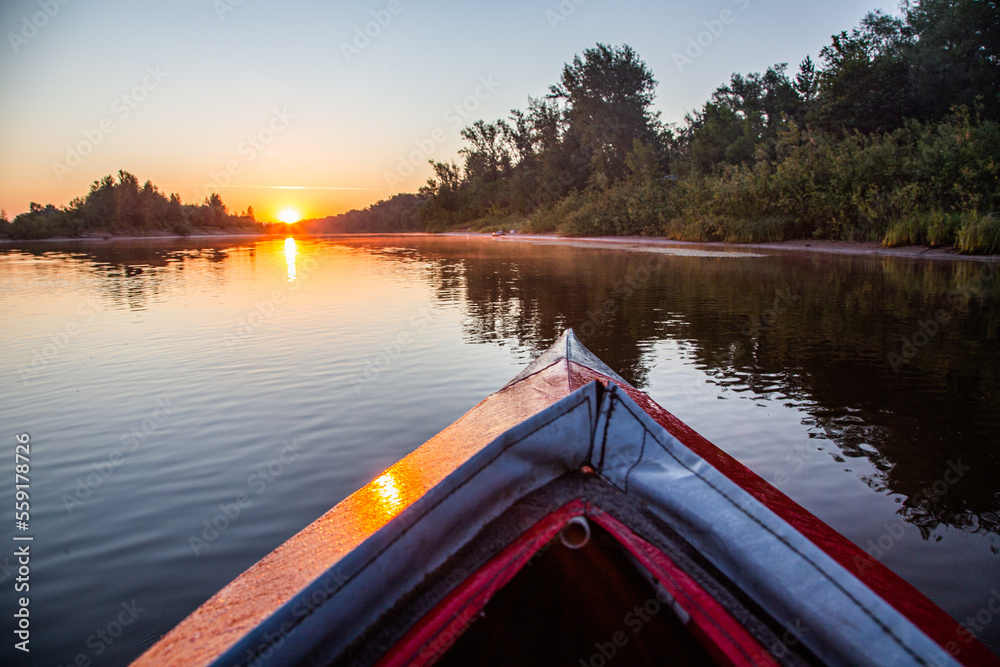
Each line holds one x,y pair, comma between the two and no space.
739,564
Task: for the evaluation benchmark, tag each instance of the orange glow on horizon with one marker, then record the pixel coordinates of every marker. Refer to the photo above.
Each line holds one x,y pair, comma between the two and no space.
269,204
289,216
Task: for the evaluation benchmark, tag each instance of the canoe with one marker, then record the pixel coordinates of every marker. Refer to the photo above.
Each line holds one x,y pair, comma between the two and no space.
568,519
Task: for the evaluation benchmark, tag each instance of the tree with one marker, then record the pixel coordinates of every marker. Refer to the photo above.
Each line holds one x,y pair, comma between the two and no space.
443,196
122,206
807,81
175,217
939,54
865,81
746,116
956,56
608,93
150,206
518,137
545,124
488,158
126,198
100,202
449,178
215,201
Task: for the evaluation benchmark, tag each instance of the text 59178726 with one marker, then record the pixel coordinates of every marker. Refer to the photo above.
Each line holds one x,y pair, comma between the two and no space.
22,552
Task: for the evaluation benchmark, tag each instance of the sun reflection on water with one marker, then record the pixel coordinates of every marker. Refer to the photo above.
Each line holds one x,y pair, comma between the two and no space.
290,251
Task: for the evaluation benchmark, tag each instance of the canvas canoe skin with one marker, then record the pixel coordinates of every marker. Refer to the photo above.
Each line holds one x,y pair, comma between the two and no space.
331,585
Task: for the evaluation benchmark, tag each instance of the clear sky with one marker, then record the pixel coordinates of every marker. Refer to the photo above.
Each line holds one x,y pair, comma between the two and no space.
290,104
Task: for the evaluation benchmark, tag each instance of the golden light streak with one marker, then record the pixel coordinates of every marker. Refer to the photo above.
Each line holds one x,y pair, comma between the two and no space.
389,492
290,252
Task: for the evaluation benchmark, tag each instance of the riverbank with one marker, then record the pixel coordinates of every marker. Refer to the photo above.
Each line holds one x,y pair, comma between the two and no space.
622,242
113,238
831,247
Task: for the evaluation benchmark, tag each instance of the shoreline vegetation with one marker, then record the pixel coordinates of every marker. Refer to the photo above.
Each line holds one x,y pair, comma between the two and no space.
121,208
892,138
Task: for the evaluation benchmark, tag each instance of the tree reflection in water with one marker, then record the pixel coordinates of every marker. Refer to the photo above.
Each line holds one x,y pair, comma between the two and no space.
816,329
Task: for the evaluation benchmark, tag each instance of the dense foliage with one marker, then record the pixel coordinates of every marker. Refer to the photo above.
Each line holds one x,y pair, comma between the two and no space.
398,214
125,207
892,137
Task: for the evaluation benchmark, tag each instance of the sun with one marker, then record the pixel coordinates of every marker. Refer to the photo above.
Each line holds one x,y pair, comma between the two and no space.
289,215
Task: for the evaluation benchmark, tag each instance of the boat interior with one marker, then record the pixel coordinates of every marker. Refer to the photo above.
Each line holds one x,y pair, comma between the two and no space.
579,598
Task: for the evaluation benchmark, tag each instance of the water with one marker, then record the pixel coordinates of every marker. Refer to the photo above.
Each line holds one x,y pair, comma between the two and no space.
159,380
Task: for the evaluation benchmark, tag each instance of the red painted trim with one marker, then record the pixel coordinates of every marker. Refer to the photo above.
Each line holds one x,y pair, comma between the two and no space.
437,631
911,603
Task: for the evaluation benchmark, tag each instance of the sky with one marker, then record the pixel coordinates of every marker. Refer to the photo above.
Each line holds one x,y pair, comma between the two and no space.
321,107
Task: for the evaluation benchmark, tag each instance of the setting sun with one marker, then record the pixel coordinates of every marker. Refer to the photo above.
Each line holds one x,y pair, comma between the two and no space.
289,215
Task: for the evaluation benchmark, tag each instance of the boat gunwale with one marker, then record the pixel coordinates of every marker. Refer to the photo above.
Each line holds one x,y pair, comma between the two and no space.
577,371
590,496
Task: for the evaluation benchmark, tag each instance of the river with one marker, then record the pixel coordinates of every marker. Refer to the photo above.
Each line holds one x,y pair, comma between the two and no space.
166,383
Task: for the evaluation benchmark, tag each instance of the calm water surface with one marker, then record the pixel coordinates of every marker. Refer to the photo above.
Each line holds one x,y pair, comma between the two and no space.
159,380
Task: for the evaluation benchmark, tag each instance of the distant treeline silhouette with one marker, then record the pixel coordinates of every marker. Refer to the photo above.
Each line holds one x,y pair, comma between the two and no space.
124,207
893,137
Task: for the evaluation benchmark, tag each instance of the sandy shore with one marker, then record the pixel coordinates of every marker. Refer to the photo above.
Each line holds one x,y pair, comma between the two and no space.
830,247
623,242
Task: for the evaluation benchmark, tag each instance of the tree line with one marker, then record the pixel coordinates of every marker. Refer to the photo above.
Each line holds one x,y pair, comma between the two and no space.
124,207
893,136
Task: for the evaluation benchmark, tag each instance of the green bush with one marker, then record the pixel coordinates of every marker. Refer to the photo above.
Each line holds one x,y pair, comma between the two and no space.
549,219
125,207
978,234
182,227
933,228
759,230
